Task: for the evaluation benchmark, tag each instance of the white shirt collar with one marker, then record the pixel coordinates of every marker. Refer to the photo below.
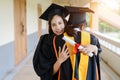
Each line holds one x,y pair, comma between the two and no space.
77,29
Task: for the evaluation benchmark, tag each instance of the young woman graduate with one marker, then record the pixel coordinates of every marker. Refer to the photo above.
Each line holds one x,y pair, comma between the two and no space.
44,60
79,66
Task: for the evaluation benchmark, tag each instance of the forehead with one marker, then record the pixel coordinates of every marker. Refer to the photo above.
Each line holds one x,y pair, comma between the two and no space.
52,10
56,17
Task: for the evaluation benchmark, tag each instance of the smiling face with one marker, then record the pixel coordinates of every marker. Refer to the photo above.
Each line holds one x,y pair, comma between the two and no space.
57,25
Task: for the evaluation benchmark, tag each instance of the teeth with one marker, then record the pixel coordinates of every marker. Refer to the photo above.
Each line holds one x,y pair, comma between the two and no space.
58,31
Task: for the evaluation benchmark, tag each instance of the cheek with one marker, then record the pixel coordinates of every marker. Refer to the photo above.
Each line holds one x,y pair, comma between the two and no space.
53,29
63,26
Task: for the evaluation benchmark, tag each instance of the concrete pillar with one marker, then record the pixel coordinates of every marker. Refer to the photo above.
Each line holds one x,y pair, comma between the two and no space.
94,21
39,8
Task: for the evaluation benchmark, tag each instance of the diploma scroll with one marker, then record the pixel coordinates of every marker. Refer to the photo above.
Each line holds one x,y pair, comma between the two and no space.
74,43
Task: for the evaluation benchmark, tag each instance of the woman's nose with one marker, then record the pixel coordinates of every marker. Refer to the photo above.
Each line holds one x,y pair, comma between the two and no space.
57,27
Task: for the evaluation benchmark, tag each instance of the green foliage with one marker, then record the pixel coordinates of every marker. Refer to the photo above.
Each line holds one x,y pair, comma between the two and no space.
105,27
109,30
88,19
119,35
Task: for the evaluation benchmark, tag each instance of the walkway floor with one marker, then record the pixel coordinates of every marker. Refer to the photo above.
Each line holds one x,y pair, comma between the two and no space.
26,72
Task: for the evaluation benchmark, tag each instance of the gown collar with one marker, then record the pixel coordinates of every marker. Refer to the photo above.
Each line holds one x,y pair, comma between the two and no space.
77,29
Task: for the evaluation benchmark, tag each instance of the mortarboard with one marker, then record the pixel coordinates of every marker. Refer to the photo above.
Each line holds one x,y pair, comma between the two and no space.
77,14
52,10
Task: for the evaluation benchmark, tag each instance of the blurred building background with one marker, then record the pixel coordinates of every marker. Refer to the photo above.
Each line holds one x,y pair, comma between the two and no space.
20,29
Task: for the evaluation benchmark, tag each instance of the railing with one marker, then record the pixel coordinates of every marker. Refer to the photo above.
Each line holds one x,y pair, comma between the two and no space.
110,43
110,52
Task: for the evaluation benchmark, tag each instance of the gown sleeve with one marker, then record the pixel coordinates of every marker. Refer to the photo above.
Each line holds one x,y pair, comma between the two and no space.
96,59
95,41
44,59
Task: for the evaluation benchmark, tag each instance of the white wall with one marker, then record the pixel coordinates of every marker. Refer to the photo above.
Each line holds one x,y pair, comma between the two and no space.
32,24
45,5
7,18
32,14
6,21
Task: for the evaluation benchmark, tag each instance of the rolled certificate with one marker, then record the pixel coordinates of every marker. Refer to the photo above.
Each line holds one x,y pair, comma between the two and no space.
74,43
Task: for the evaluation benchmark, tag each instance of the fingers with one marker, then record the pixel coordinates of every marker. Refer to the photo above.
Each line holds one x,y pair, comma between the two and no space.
66,50
59,50
63,48
89,48
63,53
85,50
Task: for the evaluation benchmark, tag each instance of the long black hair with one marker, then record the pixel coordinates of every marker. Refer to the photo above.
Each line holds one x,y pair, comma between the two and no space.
69,29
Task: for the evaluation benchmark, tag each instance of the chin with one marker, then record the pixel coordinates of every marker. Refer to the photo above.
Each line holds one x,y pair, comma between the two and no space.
59,33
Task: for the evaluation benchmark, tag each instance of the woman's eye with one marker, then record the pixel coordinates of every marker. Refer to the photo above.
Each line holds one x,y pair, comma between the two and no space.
60,23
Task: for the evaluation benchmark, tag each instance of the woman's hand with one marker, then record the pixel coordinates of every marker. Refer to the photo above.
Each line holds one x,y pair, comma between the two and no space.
63,54
89,49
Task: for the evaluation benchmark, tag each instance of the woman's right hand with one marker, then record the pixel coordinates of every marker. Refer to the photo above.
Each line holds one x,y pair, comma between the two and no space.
63,54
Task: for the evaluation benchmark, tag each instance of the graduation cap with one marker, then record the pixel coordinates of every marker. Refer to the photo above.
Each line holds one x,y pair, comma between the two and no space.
52,10
77,14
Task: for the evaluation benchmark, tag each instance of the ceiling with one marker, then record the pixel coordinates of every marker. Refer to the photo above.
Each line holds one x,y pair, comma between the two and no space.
72,2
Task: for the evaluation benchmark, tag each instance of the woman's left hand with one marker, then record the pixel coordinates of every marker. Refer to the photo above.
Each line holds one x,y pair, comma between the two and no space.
89,49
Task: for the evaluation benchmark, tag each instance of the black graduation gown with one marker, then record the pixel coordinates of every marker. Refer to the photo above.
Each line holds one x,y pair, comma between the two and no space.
44,59
93,61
